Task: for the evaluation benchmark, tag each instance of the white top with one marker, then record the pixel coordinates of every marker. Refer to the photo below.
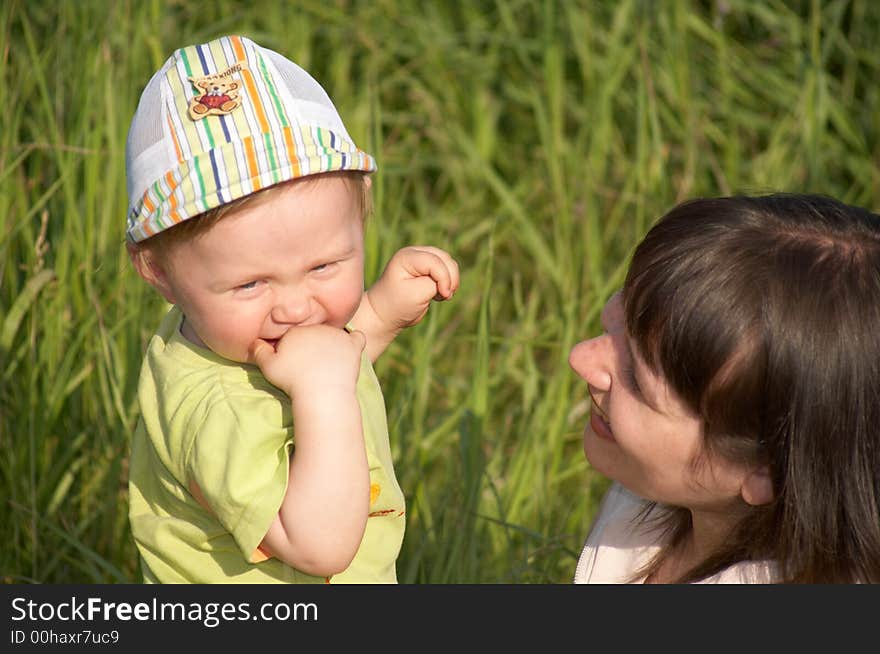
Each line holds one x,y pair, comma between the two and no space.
617,546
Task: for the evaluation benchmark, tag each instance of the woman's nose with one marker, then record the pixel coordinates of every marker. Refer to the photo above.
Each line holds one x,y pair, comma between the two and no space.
591,359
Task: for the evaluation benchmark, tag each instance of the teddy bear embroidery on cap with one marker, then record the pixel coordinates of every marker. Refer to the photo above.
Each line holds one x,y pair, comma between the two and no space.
218,93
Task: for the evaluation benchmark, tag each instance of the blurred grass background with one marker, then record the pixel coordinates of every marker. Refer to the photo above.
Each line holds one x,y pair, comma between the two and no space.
535,140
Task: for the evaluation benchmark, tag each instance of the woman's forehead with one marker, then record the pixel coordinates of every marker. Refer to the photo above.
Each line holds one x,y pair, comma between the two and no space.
613,320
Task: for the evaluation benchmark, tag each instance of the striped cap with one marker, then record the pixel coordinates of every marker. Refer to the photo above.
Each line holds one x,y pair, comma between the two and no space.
222,120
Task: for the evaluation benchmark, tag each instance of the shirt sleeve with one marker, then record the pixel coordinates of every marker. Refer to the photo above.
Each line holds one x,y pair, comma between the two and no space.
239,458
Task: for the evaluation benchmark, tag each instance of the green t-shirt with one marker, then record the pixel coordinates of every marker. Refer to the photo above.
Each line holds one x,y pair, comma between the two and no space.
222,427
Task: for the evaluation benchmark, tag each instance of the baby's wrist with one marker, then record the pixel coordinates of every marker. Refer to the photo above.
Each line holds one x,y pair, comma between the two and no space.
324,406
318,392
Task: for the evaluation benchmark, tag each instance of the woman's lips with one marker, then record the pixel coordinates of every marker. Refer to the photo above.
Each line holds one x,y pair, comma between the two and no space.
600,427
599,419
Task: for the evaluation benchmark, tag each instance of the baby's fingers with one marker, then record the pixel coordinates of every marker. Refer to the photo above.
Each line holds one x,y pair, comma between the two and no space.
359,339
439,265
260,351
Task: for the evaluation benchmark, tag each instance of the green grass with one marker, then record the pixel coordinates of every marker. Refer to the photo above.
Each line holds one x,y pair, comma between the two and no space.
536,141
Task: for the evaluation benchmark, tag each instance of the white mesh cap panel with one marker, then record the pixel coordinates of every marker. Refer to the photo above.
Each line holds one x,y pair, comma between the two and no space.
306,96
146,138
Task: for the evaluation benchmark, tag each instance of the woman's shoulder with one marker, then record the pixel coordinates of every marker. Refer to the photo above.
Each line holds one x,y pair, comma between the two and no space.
618,543
617,505
621,542
745,572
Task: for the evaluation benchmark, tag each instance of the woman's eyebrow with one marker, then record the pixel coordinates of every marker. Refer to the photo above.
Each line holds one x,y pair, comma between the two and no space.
649,398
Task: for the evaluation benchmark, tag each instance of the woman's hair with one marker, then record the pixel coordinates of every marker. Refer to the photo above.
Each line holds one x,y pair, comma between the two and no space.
763,315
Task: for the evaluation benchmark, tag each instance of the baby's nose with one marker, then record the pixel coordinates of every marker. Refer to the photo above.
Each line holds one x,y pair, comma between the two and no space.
293,309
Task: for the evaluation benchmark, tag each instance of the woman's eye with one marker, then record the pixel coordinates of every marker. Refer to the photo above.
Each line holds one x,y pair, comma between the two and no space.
629,375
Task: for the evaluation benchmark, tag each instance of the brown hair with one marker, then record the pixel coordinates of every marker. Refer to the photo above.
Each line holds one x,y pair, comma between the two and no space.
763,315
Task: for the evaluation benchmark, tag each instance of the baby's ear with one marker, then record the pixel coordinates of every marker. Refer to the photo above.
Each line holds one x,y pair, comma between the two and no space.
151,270
757,487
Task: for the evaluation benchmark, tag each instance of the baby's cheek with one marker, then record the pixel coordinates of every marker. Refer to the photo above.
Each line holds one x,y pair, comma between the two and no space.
342,305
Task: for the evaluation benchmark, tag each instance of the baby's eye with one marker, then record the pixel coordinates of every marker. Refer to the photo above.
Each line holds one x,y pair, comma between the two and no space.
248,286
322,266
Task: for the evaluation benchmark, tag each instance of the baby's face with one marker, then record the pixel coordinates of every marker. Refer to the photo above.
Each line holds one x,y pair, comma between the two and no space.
295,257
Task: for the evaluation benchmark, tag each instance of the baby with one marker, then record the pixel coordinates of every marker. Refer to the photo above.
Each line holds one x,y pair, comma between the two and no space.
262,452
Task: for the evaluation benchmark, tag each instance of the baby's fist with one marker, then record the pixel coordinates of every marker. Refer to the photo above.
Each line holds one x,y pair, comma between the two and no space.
307,359
414,277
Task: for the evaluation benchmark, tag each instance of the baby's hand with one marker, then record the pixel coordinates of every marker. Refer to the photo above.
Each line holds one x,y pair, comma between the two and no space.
317,358
414,277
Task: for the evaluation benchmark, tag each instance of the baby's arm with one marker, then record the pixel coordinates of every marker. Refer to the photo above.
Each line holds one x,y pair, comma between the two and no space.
414,277
323,515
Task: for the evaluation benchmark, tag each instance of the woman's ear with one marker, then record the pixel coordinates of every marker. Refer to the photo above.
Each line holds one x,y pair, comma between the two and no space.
151,270
757,487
